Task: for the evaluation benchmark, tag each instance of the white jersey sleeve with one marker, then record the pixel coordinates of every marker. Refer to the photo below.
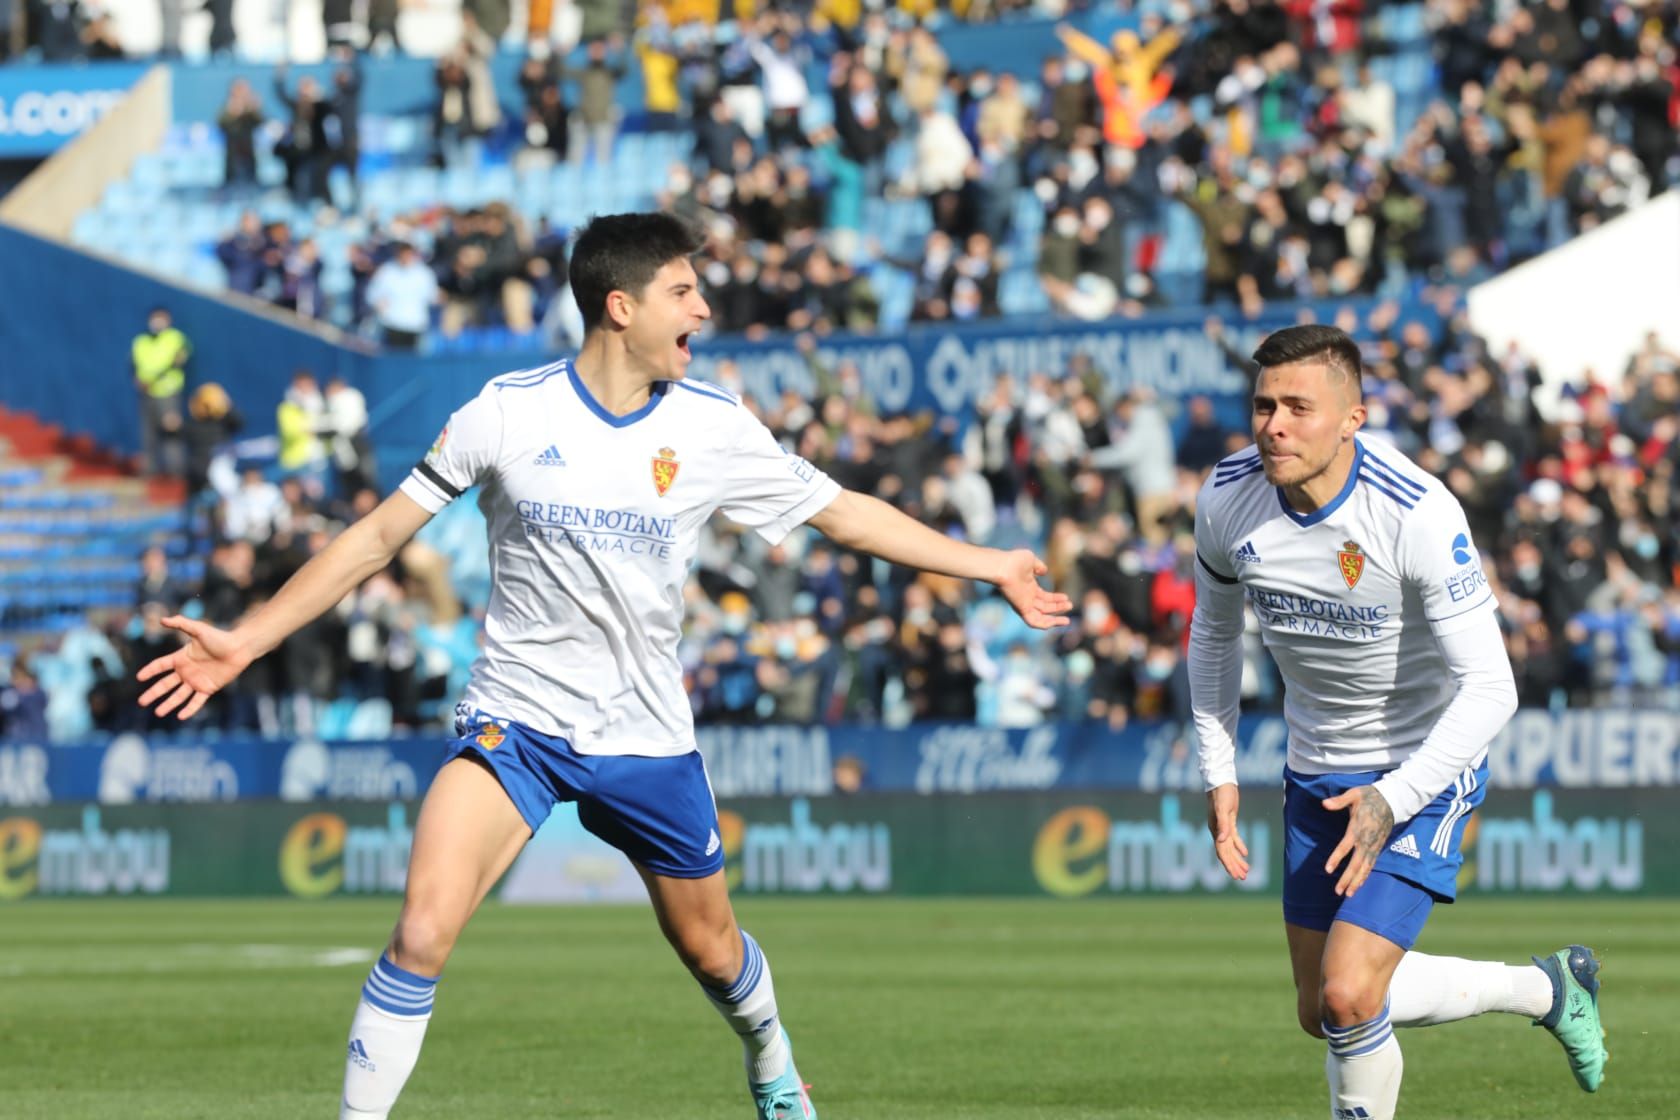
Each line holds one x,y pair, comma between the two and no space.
1438,558
464,453
1215,657
769,489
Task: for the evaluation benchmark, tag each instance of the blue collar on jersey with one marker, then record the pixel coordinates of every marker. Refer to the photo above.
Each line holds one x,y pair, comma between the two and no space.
657,394
1319,514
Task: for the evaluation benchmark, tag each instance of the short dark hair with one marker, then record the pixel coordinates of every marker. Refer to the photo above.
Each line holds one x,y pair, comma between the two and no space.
1311,342
621,253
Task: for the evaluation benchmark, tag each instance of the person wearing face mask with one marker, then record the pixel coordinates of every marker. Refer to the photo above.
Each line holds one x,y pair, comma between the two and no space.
159,356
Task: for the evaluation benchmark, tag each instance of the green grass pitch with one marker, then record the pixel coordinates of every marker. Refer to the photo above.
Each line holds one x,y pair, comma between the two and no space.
899,1010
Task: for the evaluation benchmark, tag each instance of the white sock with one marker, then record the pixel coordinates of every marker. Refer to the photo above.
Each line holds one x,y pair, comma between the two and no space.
1429,990
385,1039
1363,1066
749,1007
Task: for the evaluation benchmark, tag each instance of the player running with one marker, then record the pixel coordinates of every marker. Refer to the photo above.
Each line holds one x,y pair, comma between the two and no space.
597,476
1373,602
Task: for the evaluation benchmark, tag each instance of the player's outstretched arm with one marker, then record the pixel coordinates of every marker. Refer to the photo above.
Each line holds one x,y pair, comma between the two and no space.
211,658
870,525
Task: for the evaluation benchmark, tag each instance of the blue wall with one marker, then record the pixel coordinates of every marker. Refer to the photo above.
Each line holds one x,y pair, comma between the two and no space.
67,321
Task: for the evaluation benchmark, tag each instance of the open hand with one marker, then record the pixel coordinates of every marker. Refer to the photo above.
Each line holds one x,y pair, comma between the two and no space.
1040,608
1366,837
210,659
1222,823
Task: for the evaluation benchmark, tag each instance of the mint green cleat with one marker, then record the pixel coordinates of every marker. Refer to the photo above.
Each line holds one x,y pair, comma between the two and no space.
784,1098
1573,1019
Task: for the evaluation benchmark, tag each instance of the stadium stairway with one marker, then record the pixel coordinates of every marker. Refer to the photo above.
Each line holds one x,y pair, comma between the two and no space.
73,522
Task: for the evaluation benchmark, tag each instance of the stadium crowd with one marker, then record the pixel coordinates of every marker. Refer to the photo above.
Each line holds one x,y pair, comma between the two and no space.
1268,121
1575,518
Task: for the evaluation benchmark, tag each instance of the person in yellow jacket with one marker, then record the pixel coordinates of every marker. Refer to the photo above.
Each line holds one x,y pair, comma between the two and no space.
159,354
300,418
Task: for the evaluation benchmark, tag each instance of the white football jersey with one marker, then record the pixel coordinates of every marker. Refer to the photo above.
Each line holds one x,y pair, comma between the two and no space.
594,520
1350,599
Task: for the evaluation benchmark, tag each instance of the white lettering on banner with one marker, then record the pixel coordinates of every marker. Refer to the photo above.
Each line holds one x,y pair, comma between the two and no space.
57,113
133,771
767,761
969,759
801,856
313,770
23,776
960,369
1548,854
1605,748
1169,758
1171,855
93,861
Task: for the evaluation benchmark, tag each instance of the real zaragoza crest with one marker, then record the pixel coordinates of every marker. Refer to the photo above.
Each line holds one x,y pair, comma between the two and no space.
664,470
1352,562
490,735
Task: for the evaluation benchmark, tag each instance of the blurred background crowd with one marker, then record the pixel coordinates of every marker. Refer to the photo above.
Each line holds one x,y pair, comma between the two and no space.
1268,125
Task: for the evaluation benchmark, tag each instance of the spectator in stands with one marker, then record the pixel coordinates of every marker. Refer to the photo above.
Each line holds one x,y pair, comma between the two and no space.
547,131
56,27
23,706
170,14
256,511
346,433
244,254
11,28
402,293
305,148
211,424
157,584
300,281
346,117
159,356
99,38
1142,451
224,37
240,119
300,417
592,139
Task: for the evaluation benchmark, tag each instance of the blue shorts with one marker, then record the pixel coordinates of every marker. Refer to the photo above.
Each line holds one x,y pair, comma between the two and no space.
1418,868
657,811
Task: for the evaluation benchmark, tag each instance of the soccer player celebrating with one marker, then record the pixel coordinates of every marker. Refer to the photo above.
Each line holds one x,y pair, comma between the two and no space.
597,476
1372,600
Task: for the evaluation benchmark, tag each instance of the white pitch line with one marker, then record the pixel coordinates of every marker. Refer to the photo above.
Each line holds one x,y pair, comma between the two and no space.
190,958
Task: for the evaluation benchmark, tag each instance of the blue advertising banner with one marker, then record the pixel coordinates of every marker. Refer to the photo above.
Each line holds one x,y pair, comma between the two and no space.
44,107
1609,748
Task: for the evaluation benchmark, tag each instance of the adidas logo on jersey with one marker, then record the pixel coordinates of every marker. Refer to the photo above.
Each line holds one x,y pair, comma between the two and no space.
1246,554
550,458
359,1055
1406,846
713,844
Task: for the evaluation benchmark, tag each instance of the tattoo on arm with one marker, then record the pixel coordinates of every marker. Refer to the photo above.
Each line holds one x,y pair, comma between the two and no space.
1372,824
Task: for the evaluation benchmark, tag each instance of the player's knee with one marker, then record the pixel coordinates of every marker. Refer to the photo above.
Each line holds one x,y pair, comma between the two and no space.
1345,1002
713,955
422,941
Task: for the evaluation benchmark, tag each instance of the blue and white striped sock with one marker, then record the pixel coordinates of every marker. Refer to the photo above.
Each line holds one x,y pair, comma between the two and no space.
1363,1067
749,1007
385,1038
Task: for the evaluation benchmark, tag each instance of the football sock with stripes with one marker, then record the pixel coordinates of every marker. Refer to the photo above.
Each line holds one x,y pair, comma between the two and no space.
385,1038
1430,990
1363,1065
749,1007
